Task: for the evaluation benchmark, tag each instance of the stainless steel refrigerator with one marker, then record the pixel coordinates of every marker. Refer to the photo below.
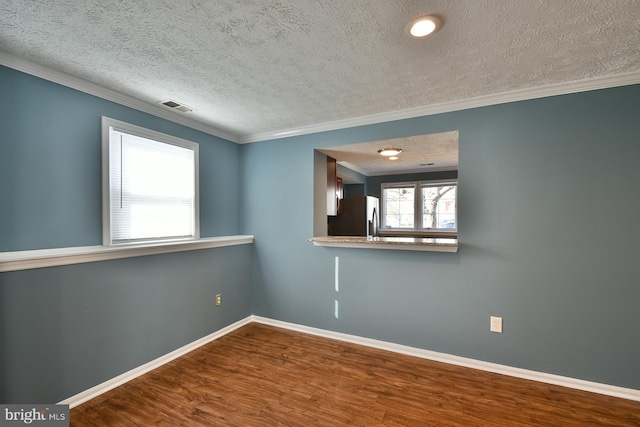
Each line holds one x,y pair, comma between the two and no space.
359,216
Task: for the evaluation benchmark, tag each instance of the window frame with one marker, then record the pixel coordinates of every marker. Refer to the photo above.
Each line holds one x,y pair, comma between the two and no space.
418,227
107,125
390,185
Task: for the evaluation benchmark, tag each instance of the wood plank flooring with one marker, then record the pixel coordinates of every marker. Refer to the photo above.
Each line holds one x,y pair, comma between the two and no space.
260,375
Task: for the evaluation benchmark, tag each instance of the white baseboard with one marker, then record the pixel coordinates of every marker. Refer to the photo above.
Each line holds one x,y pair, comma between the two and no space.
609,390
605,389
104,387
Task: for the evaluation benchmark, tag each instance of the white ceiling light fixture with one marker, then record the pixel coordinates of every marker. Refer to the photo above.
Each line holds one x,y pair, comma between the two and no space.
423,26
390,151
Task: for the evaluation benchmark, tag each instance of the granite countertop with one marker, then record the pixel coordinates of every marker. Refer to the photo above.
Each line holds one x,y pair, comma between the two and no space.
399,243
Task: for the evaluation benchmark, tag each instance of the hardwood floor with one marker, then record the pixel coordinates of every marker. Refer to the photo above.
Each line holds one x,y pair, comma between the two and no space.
260,375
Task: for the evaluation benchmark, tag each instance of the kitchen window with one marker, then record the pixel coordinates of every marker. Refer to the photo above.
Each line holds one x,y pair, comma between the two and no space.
419,207
150,185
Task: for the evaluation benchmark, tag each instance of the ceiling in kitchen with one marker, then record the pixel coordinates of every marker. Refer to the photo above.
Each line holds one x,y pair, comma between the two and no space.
255,69
421,153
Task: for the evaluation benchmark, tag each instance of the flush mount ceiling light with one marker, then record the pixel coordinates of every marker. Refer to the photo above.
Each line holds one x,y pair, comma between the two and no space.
390,151
423,26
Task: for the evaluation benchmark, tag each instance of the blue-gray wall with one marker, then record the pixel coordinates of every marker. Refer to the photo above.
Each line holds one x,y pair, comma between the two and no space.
548,236
547,227
353,183
349,175
50,152
66,329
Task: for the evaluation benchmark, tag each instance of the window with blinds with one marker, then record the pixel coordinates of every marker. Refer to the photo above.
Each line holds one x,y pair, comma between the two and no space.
150,185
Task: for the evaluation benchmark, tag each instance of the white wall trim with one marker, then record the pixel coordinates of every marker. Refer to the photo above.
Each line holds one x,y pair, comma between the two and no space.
110,95
605,389
104,387
446,107
25,260
609,390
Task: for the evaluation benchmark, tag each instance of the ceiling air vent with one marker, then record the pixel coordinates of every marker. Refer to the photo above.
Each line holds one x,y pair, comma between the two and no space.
177,106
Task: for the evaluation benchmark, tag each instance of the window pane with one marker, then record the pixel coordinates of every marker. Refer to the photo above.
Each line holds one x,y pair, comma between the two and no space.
153,220
439,207
152,189
399,207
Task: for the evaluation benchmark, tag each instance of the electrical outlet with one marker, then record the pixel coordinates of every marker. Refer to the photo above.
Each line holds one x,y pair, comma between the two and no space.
218,300
496,324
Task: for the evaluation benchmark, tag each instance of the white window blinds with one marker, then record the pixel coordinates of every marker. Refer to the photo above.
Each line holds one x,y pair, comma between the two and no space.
152,189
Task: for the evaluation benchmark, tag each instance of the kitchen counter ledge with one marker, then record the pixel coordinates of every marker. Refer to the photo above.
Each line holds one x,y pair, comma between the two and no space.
395,243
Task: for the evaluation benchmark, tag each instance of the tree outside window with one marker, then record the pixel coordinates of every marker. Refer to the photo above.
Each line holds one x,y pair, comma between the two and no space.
439,206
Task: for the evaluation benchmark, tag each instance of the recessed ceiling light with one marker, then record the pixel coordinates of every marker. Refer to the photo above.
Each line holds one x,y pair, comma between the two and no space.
390,151
394,158
423,26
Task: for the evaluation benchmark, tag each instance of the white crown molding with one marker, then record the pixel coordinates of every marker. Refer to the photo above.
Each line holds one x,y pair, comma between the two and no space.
104,387
447,107
39,258
605,389
110,95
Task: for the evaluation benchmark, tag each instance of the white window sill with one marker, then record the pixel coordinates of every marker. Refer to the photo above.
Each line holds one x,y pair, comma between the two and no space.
24,260
389,232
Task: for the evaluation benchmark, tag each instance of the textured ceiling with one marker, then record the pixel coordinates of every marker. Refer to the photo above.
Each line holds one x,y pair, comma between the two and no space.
249,67
421,153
